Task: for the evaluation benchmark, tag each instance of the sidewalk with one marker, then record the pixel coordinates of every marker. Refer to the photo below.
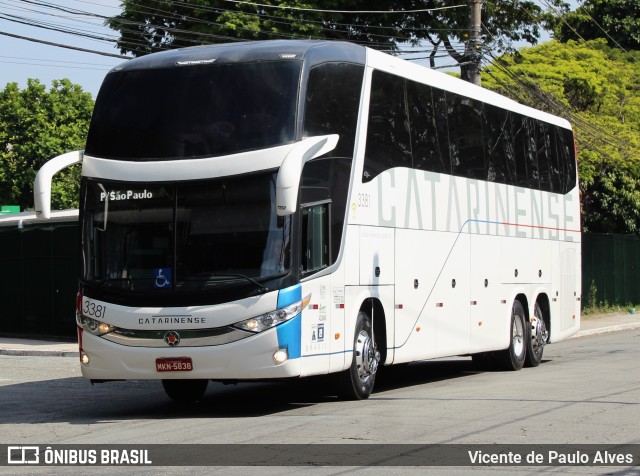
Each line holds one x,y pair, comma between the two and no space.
43,348
590,325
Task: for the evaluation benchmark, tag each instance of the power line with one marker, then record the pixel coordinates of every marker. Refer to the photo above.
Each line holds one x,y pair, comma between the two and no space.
551,7
555,106
135,28
317,10
18,58
60,45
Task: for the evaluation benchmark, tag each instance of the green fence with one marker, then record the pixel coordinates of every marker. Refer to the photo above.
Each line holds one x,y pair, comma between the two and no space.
38,279
610,269
39,274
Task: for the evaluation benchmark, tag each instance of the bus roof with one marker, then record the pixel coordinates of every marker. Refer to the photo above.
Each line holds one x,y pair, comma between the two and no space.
247,51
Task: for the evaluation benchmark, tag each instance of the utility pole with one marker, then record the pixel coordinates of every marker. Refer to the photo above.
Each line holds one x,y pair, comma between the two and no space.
472,53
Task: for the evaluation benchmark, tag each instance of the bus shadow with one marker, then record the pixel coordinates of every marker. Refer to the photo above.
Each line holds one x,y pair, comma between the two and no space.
76,401
428,371
423,372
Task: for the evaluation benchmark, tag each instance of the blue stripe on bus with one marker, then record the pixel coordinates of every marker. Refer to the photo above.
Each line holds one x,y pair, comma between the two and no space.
290,295
290,333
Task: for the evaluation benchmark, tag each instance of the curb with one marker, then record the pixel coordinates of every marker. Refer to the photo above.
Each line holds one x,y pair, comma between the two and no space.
38,353
605,330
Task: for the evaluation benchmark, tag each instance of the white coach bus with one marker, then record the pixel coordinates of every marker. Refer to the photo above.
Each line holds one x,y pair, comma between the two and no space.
283,209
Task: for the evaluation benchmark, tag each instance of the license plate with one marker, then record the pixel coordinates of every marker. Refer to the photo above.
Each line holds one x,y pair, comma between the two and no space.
177,364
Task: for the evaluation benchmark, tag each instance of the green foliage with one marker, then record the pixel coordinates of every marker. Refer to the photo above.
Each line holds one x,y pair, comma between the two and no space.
616,20
36,125
147,26
596,88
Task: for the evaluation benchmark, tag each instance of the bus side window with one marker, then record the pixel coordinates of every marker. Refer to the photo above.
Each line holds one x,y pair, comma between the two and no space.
526,167
498,145
567,158
548,158
316,240
331,104
441,120
388,141
424,139
531,156
465,137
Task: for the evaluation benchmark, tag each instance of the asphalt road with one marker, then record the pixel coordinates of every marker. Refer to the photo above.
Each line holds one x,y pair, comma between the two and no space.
586,391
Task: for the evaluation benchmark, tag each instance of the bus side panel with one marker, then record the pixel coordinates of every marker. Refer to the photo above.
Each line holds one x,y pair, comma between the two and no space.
451,301
490,310
351,259
569,290
317,328
376,255
420,258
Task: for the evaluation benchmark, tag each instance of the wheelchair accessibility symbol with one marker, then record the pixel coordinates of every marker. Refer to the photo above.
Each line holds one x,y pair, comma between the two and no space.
162,278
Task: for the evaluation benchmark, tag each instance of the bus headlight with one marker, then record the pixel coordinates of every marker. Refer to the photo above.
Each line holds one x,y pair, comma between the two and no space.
273,318
95,327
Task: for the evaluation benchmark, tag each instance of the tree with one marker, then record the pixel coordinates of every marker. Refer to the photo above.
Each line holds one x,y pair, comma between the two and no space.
36,125
596,88
616,20
147,26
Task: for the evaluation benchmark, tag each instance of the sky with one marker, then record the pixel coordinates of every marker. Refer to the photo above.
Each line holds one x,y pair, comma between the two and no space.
21,59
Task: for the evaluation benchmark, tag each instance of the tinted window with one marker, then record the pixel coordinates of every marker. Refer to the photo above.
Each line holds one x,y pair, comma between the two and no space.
441,121
424,136
332,103
454,134
388,140
328,179
193,236
532,179
519,127
547,152
465,137
498,145
194,111
566,149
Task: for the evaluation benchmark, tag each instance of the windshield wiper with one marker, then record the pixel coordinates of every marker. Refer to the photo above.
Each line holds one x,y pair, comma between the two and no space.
261,288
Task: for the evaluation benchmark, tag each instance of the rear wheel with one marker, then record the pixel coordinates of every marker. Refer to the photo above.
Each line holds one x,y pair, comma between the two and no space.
513,358
185,391
537,338
356,383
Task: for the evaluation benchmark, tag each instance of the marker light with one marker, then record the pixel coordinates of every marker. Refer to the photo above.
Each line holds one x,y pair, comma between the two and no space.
84,358
273,318
280,356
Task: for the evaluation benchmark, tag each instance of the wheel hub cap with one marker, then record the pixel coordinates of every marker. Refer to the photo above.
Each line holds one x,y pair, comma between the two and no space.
367,357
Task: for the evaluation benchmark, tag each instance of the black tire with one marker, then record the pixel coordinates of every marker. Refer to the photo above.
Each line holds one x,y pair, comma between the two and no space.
185,391
514,357
536,339
356,383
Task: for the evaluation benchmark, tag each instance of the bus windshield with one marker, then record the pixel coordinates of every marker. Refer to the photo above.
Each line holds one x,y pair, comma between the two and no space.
183,237
194,111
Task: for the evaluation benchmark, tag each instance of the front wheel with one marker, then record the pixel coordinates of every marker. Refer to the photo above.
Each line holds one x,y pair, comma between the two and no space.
185,391
513,358
356,383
